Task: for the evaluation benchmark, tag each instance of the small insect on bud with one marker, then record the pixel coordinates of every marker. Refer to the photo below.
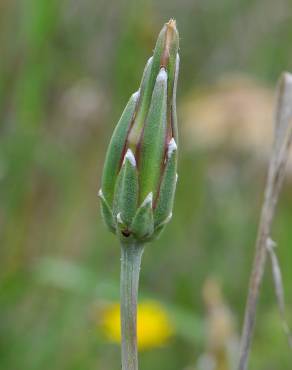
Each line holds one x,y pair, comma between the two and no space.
139,175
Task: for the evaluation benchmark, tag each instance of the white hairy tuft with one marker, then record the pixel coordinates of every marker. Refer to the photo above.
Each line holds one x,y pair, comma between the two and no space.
149,61
119,218
136,95
131,158
100,193
171,147
162,75
148,199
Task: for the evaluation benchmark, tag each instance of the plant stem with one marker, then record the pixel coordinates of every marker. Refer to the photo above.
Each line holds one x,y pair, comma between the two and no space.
279,157
131,255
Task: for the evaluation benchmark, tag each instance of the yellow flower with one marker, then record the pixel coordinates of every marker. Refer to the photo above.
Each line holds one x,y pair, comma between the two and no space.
153,324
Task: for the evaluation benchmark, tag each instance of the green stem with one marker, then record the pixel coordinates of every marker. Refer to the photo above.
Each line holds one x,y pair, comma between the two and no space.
130,269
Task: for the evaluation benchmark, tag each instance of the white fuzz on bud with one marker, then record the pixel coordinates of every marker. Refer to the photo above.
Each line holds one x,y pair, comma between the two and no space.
148,199
136,95
131,158
162,75
119,218
171,148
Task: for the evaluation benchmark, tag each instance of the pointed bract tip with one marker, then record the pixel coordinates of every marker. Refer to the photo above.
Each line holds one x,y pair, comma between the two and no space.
169,217
149,61
148,199
166,220
131,158
171,23
172,147
119,218
162,75
136,95
167,44
176,177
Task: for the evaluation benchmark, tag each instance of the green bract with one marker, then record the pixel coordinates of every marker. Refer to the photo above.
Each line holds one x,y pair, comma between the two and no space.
139,175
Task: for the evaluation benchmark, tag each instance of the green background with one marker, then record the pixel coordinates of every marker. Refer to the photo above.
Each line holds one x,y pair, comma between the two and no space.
67,69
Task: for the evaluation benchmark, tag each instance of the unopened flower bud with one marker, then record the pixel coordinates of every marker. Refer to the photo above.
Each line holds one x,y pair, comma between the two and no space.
139,175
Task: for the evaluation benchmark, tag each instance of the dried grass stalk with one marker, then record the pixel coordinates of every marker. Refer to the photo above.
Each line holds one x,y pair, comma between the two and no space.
276,172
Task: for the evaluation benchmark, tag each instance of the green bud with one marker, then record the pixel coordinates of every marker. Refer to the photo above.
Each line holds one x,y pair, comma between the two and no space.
139,175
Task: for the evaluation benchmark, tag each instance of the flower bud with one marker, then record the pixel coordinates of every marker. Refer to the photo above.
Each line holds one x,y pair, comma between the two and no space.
139,175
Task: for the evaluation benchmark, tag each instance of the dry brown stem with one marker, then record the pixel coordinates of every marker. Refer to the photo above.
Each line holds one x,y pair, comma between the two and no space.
276,172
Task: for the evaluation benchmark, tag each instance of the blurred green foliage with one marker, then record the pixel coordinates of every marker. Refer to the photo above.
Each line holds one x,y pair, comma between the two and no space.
66,70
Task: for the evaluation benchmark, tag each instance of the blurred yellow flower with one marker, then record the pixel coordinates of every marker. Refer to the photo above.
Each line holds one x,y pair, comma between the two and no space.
153,324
